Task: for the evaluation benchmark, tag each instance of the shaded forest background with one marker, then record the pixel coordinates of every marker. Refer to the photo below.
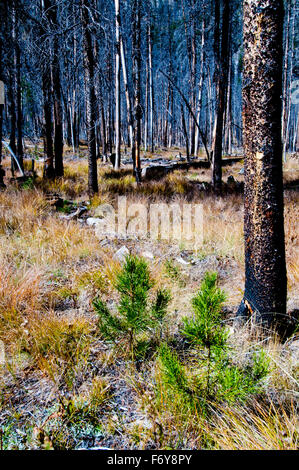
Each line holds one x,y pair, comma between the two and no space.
74,68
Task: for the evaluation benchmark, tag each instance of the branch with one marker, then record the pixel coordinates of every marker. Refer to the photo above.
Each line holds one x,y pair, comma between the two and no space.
202,135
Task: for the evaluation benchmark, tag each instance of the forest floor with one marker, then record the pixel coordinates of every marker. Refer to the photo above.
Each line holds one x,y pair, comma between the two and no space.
62,386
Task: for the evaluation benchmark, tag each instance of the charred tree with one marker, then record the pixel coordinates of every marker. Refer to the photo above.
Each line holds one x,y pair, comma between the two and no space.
265,265
221,91
117,86
52,14
89,67
136,23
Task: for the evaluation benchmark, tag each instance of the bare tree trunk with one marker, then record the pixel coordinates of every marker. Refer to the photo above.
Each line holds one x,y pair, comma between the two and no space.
221,98
127,93
151,86
200,86
12,89
285,82
19,107
52,14
49,171
136,22
146,109
265,266
2,172
90,99
184,126
117,86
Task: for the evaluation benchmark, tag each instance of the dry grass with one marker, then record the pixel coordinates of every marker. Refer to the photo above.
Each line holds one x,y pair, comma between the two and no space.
51,269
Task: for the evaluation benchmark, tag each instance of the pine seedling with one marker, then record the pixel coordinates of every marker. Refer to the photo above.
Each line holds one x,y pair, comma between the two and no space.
173,370
134,315
204,328
159,310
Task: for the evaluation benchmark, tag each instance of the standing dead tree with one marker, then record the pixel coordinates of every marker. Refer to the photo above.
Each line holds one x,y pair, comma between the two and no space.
265,265
89,67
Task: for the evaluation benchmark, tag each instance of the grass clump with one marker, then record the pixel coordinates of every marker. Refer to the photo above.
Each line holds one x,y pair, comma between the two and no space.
138,321
60,347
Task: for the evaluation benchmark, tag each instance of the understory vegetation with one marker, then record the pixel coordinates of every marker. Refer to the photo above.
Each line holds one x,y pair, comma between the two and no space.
144,352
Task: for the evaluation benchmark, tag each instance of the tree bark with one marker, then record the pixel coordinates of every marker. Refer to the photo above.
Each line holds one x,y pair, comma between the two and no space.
222,77
52,15
136,22
117,86
265,266
89,67
127,92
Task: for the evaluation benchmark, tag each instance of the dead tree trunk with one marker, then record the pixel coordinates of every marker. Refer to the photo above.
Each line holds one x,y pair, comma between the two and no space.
52,14
127,93
117,86
200,86
19,106
2,172
265,266
151,86
49,171
89,67
221,98
136,23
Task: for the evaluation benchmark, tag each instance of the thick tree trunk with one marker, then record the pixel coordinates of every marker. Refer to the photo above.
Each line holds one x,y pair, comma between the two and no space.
47,85
2,172
265,266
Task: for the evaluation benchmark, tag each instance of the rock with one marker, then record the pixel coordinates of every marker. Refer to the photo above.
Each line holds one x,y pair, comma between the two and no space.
92,221
155,172
121,254
147,254
75,215
180,260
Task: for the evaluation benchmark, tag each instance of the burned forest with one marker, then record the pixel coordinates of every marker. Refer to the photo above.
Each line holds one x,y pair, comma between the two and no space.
149,243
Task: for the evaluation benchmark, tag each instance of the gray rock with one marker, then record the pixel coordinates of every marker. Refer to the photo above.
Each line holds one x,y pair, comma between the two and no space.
93,221
121,254
147,254
155,172
180,260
